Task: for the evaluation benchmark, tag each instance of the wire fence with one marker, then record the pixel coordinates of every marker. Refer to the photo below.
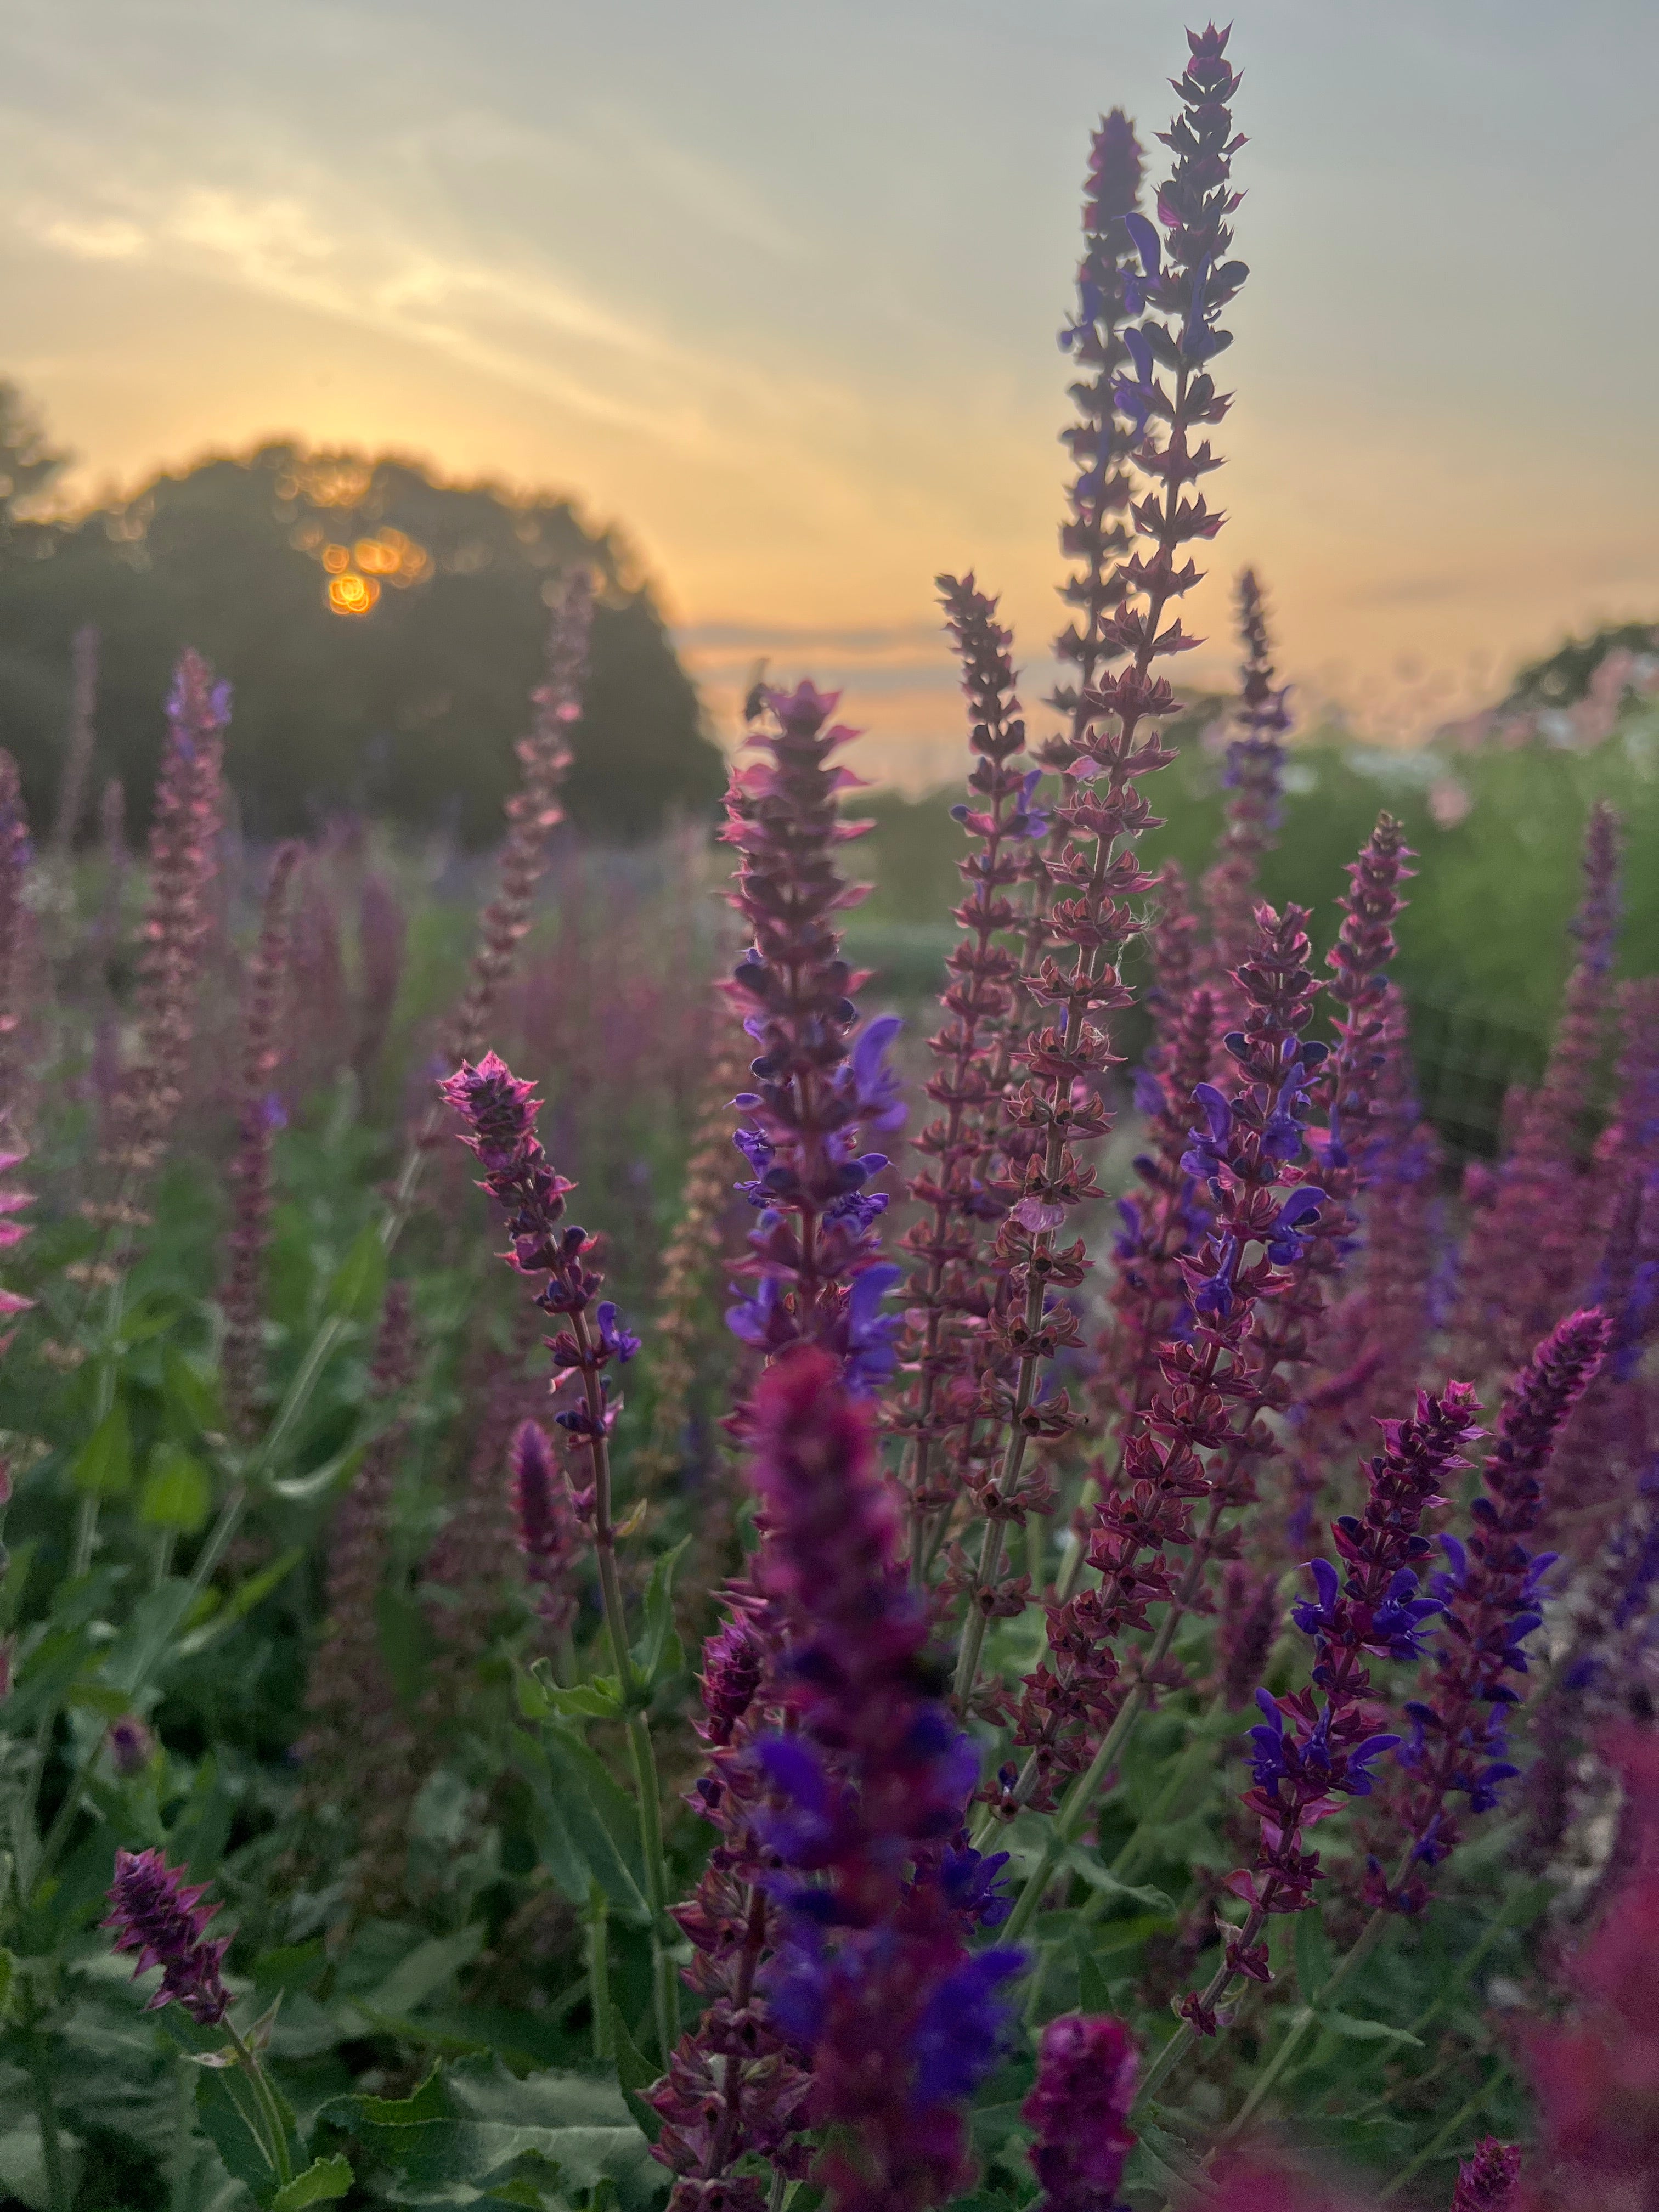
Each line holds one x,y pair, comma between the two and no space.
1467,1059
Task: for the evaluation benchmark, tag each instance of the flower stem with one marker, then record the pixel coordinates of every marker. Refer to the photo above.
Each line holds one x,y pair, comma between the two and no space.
647,1795
58,2195
265,2097
1438,2141
598,1968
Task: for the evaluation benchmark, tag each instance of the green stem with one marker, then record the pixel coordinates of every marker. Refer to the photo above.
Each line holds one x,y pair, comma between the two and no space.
86,1518
1067,1823
64,1820
665,1985
1077,1547
60,2197
1301,2020
647,1795
184,2146
1436,2144
265,2097
1496,1928
296,1400
599,1969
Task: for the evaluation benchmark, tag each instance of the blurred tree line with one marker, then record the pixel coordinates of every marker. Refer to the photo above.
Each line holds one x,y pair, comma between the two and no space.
383,632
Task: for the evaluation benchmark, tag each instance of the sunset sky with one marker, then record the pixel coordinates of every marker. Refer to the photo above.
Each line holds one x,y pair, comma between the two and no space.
775,287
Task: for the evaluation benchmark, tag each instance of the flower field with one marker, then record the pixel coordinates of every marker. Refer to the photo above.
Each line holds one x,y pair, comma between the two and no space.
632,1578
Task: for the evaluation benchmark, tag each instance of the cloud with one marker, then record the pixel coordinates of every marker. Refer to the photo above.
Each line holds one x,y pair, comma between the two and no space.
95,238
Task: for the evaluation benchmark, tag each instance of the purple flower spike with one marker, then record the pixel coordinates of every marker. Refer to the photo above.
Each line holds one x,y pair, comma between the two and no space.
1079,2109
867,1803
1488,2181
131,1746
1489,1596
155,1913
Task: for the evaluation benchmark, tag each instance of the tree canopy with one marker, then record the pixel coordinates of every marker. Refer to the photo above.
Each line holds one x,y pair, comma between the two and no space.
383,631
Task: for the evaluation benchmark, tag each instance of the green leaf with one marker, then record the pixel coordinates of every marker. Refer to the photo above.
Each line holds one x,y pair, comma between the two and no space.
635,2073
1111,1936
300,1489
540,1697
177,1492
474,2135
1173,2158
359,1281
240,1603
101,1697
192,1402
1093,1994
103,1466
560,1853
658,1655
291,1966
1101,1878
427,1967
597,1700
224,2105
601,1821
156,1619
7,1983
1352,2029
323,2181
1313,1957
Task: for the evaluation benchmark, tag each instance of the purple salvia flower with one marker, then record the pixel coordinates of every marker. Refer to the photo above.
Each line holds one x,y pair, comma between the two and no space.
1094,868
1248,1621
264,999
16,933
1095,534
1489,1595
382,938
546,1526
1189,1444
82,737
358,1751
735,2089
1530,1247
157,1914
183,832
533,811
1308,1756
1254,764
956,1187
1078,2109
1489,2181
131,1746
872,1976
733,1662
817,1085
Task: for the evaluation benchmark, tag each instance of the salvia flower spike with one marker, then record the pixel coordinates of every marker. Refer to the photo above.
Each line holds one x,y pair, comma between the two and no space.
157,1914
814,1273
872,1976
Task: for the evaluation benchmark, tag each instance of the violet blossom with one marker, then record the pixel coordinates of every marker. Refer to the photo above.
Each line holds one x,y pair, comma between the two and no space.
866,1800
1490,1597
157,1914
1307,1756
1078,2109
816,1084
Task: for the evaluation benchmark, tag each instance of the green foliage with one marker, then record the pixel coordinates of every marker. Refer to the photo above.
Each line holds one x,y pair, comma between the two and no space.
1483,945
408,711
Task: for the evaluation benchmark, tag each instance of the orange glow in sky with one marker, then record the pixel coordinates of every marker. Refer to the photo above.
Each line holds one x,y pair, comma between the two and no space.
775,290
